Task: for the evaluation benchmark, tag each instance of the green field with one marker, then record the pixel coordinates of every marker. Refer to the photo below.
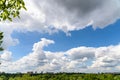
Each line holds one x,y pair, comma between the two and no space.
60,76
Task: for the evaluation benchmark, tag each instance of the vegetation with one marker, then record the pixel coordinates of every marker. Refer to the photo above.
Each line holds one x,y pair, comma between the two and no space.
1,37
60,76
9,9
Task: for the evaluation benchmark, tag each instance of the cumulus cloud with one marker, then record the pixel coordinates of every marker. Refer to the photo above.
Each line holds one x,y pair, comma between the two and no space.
6,56
107,56
7,39
79,59
50,16
81,52
69,15
37,57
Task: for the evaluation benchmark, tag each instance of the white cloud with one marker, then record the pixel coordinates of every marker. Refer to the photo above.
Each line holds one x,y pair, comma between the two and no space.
72,15
79,59
36,58
81,52
50,16
6,56
107,57
7,39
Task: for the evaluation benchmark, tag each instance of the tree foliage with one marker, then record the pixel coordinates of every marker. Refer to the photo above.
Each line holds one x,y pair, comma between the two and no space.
61,76
10,9
1,37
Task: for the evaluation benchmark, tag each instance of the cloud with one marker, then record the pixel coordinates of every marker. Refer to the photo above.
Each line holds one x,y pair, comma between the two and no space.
8,40
107,56
81,52
37,57
50,16
69,15
6,56
79,59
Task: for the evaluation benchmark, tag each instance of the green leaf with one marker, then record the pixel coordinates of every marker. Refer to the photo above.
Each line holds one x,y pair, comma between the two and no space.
9,18
10,9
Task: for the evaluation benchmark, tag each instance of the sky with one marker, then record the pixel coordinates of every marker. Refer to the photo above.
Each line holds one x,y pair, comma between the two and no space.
63,36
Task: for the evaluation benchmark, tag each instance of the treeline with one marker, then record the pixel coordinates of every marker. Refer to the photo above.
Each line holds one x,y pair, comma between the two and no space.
60,76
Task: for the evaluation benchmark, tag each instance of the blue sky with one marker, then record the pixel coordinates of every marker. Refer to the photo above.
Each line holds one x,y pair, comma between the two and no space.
70,36
87,37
